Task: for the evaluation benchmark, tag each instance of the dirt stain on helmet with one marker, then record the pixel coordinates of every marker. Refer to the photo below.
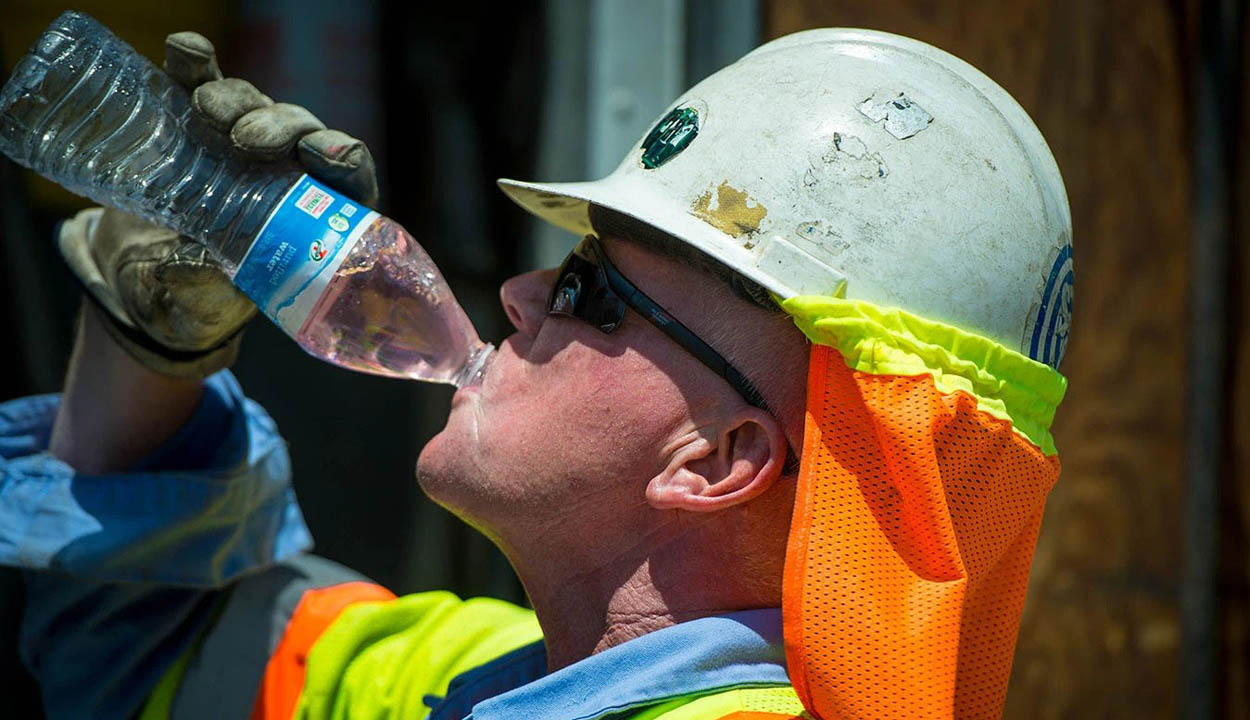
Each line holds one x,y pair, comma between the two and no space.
731,211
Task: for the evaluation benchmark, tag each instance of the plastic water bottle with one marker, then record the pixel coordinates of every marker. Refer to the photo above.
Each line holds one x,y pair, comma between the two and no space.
86,111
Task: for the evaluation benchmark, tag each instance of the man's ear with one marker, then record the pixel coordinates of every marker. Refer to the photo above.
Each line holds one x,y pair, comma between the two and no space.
737,464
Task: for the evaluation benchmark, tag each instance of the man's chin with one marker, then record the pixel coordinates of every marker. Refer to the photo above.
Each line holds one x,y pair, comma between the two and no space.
449,452
433,467
445,469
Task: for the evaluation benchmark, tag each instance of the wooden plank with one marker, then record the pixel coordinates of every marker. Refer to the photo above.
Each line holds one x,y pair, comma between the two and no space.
1235,500
1107,84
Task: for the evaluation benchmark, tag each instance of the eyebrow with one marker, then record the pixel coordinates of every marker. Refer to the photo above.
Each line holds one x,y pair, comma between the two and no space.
610,223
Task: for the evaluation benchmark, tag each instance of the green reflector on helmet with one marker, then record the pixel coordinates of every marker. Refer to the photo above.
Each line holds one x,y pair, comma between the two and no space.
670,136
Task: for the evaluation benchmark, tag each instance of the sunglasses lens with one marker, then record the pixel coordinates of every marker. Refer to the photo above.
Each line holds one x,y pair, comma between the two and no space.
567,291
581,291
604,310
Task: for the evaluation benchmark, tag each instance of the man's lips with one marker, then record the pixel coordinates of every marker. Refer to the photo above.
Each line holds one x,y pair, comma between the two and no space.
475,388
465,392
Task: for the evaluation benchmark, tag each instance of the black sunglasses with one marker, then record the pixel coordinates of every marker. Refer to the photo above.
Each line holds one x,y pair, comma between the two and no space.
590,288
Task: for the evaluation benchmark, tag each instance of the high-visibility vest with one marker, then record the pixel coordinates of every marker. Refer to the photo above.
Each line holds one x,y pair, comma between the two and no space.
351,645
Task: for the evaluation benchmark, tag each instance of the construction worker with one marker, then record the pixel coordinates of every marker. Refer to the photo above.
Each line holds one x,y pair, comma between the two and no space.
772,442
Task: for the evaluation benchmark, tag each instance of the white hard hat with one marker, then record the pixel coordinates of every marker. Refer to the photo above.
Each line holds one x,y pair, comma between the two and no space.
861,164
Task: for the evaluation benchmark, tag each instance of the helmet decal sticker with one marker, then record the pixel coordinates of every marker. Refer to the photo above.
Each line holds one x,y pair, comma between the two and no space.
732,212
851,158
827,238
903,117
1046,335
670,136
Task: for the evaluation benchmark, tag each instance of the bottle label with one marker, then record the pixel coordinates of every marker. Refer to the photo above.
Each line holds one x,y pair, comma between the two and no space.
298,250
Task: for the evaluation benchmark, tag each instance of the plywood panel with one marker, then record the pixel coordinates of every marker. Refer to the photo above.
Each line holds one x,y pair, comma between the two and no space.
1106,83
1235,499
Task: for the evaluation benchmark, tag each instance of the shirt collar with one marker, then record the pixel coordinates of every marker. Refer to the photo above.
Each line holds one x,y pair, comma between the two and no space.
700,656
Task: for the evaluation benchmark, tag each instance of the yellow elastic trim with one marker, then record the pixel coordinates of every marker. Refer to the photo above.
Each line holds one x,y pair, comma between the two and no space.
780,700
889,341
160,703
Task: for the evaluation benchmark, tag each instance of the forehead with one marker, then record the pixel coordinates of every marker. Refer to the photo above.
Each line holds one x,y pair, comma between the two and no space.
668,278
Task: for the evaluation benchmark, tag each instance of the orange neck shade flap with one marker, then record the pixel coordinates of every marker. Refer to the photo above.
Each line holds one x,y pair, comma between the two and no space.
917,509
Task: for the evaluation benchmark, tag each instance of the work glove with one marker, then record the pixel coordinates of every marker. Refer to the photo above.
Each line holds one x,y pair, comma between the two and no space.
164,298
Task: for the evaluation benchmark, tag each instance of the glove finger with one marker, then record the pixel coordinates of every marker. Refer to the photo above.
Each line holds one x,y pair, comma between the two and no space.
223,102
342,161
190,59
73,239
272,131
194,305
202,305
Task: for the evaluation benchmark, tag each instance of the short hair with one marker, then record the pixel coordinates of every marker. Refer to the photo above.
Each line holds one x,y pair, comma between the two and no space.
607,221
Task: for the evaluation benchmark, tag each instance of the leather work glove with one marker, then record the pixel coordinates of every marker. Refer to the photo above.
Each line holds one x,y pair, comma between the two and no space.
164,298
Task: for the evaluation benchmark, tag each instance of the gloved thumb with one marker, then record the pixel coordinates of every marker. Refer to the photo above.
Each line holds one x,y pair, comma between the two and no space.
190,59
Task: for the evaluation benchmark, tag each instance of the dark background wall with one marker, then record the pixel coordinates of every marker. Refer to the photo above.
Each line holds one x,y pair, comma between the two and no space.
1133,611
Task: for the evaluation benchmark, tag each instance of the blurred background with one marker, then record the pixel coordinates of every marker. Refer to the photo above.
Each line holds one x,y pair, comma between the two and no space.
1139,603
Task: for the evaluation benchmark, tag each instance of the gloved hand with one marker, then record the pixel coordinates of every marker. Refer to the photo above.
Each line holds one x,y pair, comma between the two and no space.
164,298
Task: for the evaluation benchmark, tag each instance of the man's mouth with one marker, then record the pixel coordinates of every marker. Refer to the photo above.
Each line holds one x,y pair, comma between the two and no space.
465,392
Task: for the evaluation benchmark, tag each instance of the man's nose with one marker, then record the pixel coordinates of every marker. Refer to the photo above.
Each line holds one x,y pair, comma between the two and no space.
524,299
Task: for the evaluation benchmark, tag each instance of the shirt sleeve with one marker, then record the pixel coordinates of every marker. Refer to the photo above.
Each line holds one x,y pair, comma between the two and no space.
210,504
129,567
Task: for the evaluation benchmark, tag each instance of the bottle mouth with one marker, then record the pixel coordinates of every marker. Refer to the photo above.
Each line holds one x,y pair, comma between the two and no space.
475,369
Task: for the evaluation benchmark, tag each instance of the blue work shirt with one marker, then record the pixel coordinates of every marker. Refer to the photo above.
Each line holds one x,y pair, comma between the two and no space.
212,502
741,649
132,566
132,562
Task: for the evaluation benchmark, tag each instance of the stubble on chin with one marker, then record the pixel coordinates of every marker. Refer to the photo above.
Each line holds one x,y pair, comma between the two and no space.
435,470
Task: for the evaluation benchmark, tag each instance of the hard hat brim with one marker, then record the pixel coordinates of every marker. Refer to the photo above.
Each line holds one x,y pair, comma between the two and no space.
566,205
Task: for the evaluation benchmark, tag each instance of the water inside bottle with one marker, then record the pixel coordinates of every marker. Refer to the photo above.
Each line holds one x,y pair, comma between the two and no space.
388,311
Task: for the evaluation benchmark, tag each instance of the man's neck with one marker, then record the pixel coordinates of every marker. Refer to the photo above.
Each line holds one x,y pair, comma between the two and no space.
595,612
583,612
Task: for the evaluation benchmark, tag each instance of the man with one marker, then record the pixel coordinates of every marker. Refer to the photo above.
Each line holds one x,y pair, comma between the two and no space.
772,442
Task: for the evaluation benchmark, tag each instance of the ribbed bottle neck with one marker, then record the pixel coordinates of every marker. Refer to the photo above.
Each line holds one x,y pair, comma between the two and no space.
475,368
